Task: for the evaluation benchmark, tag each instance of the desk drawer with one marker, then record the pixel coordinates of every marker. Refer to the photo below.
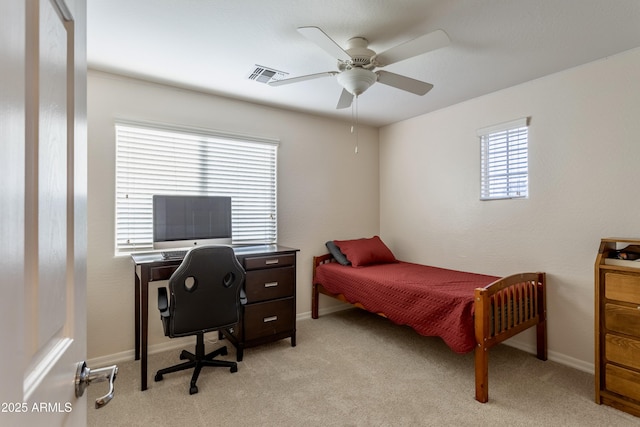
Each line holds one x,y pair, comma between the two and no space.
273,261
162,273
271,283
268,318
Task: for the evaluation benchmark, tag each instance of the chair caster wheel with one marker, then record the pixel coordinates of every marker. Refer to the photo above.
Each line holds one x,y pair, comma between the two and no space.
183,355
158,377
223,351
193,389
234,368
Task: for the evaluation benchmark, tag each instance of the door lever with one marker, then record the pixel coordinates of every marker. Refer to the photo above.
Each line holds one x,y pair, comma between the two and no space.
85,377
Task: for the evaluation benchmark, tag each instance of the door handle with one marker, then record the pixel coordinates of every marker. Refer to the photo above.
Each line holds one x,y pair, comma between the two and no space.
86,376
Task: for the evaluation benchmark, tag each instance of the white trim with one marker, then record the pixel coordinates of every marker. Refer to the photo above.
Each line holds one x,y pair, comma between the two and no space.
185,342
129,355
500,127
196,130
560,358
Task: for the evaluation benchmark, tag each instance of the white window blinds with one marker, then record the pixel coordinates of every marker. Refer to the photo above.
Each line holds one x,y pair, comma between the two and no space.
155,160
504,160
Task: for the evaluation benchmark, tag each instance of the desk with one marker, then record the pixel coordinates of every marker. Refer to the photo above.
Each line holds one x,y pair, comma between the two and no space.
152,266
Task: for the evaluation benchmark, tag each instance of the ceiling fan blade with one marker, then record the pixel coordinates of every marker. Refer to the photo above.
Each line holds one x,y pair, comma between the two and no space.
403,82
346,98
418,46
319,37
301,78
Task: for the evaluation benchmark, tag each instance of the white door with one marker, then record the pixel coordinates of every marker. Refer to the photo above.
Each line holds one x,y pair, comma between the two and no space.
42,211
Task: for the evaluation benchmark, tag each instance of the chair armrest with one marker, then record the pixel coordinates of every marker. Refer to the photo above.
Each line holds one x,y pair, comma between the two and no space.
163,302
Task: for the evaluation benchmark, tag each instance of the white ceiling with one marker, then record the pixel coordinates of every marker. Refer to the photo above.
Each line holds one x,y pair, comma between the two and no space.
213,46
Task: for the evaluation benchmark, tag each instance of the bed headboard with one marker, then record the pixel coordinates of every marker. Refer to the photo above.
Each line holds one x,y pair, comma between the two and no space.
321,259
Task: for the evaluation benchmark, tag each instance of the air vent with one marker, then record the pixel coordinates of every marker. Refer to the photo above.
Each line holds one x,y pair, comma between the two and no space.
265,75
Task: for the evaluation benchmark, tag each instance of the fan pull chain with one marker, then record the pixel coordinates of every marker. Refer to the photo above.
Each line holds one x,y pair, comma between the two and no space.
354,112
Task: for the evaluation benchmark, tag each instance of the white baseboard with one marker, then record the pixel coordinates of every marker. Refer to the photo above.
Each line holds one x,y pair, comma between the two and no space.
126,356
323,311
178,343
563,359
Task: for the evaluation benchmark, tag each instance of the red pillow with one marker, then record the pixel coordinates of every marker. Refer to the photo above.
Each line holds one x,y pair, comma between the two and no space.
365,251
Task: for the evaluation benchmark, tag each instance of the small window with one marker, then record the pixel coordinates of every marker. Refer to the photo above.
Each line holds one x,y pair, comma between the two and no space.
175,161
504,161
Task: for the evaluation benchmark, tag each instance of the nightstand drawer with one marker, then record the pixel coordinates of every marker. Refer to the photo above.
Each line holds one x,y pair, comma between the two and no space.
625,320
622,350
622,381
268,318
622,287
259,262
267,284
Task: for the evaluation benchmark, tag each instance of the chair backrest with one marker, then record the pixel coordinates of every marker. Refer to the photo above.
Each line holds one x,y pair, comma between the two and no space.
205,291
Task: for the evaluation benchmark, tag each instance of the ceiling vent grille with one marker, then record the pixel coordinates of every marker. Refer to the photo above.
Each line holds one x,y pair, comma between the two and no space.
265,75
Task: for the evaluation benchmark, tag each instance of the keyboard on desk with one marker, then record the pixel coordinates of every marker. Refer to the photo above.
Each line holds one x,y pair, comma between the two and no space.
179,254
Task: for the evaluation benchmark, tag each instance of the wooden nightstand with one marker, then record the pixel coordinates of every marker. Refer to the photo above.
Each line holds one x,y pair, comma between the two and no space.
617,327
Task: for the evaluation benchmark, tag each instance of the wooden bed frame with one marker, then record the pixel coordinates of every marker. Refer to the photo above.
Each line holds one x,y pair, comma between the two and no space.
495,320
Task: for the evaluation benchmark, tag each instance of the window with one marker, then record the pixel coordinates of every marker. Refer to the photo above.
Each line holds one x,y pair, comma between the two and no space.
504,161
156,160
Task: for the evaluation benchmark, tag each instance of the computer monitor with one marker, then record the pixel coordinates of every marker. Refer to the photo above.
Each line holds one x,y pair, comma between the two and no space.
185,221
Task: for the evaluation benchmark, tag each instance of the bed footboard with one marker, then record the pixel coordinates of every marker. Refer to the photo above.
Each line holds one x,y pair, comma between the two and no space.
503,309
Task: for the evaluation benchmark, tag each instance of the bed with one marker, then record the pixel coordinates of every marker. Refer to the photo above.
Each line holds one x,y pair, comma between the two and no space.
468,311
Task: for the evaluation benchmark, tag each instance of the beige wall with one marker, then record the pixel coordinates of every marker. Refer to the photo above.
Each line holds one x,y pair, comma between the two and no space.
584,162
419,191
325,191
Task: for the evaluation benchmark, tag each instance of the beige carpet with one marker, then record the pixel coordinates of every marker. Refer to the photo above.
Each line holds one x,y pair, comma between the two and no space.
356,369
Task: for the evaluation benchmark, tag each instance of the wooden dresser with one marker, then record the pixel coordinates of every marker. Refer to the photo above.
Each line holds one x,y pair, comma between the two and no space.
617,327
270,311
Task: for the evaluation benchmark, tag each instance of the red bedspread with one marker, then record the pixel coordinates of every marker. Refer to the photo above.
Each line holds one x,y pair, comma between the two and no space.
433,301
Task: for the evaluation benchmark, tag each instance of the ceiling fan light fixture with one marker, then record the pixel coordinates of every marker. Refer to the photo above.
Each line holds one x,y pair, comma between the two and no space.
356,80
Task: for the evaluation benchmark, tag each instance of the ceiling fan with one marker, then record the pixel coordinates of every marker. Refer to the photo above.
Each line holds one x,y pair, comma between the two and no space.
356,63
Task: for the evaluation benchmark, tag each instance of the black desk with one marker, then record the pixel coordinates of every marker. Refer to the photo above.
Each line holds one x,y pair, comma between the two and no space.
151,267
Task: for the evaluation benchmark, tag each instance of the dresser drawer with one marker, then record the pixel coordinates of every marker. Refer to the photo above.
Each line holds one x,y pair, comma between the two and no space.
622,350
273,261
271,283
268,318
622,381
622,287
625,320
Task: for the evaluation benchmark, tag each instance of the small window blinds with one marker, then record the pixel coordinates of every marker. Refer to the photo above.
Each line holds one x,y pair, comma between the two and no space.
504,160
155,160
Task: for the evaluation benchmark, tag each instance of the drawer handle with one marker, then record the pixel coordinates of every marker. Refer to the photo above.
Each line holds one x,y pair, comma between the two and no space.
274,284
270,319
271,261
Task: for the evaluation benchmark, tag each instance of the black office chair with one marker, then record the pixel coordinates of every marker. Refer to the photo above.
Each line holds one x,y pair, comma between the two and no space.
205,296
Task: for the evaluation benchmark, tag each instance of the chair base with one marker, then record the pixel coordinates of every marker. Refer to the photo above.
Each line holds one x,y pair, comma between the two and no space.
197,361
